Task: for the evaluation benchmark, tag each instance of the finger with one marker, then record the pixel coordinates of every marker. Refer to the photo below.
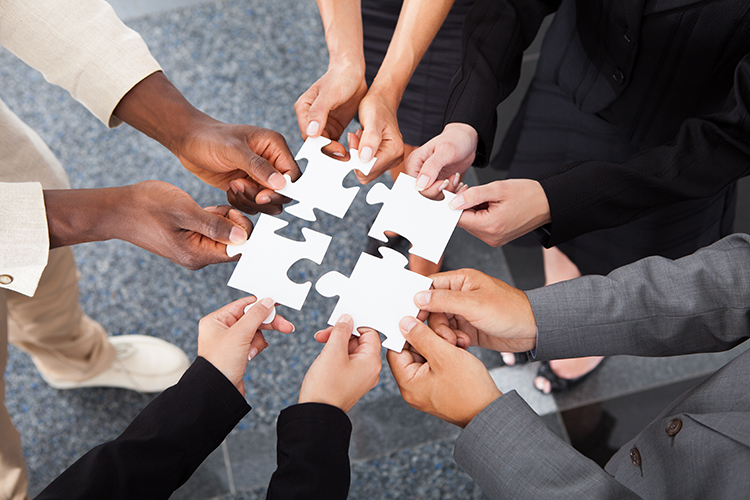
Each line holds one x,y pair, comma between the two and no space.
369,342
338,340
257,193
230,313
427,342
317,115
233,215
369,143
336,150
323,335
257,345
403,365
280,324
302,110
213,226
458,302
251,321
474,196
352,140
248,205
433,165
460,279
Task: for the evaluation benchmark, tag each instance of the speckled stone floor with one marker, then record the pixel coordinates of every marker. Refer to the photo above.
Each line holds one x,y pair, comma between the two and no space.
244,62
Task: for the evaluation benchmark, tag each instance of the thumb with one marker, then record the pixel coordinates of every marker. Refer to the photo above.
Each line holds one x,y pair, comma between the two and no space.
216,227
338,341
427,342
317,115
432,166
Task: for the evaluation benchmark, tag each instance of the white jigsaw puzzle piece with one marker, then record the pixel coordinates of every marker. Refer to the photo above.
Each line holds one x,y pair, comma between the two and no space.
321,185
266,258
379,293
426,223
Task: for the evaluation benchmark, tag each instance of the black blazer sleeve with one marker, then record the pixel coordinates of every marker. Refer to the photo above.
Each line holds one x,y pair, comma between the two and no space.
495,34
312,454
708,154
162,447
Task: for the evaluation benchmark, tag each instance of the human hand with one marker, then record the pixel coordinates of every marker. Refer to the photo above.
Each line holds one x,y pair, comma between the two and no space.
380,136
346,368
477,309
328,106
443,156
501,211
445,381
229,338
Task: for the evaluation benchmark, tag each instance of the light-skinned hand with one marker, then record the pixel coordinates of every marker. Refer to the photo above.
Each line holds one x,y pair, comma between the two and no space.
501,211
381,137
443,156
479,310
445,381
229,337
346,369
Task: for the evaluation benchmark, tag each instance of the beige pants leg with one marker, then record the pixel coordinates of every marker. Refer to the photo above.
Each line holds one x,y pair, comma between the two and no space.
64,343
13,480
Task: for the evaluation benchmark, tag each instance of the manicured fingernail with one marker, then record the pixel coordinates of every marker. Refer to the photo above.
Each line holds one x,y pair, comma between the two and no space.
423,298
456,179
345,318
422,182
366,154
457,202
253,352
407,323
237,236
338,153
238,187
312,128
316,335
444,184
232,187
276,181
267,302
294,328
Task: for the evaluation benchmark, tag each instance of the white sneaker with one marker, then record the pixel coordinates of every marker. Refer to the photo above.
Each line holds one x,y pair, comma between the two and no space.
143,364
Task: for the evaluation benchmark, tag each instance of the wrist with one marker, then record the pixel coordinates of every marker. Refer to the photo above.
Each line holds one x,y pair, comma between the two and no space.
386,90
157,109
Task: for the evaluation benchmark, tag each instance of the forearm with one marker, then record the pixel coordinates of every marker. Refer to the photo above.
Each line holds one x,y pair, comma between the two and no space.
496,32
157,109
654,307
509,451
418,23
342,22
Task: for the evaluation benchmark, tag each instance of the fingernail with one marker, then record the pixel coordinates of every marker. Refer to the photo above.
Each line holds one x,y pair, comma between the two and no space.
456,179
457,202
238,186
316,335
407,323
423,298
422,182
345,318
444,184
312,128
253,352
232,187
237,236
294,328
366,154
276,181
267,302
460,185
338,153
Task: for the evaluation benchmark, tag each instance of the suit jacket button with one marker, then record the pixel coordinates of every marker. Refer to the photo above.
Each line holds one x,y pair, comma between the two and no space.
635,457
674,426
6,279
618,76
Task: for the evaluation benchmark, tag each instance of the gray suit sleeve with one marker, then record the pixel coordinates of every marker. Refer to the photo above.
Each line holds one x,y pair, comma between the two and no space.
512,454
653,307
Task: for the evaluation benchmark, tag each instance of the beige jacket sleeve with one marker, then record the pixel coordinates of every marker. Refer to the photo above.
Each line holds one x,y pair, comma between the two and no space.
80,45
24,237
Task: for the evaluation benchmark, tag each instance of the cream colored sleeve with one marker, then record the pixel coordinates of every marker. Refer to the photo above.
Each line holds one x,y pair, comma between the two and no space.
80,45
24,236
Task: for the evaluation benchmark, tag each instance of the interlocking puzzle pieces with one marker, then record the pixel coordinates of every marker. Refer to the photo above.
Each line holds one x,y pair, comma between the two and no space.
426,223
321,185
266,258
379,293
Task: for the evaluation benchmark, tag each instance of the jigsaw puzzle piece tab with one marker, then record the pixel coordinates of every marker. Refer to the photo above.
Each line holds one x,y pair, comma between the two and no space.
427,224
379,293
267,257
321,185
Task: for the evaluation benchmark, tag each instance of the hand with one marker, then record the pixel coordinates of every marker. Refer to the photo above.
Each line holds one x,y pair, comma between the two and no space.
239,159
346,368
501,211
229,338
245,161
330,104
477,309
443,156
165,220
153,215
451,383
380,134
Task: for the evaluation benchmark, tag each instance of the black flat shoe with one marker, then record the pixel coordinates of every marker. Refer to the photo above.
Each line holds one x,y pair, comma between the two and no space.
557,383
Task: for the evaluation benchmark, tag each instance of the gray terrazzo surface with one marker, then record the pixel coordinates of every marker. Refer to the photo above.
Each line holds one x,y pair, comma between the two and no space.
242,62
